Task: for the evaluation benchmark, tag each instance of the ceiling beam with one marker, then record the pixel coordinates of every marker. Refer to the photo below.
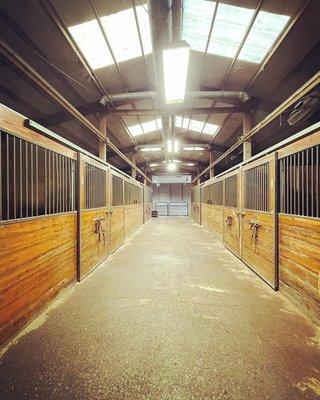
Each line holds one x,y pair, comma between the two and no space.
302,91
57,98
176,111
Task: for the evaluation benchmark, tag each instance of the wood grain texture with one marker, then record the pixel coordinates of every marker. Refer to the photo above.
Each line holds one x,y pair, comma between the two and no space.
116,228
212,217
37,260
133,218
259,254
299,255
196,212
93,250
231,233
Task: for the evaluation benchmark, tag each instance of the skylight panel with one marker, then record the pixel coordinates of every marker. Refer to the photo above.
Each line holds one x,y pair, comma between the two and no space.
197,18
210,129
262,36
122,33
181,122
90,41
229,28
145,127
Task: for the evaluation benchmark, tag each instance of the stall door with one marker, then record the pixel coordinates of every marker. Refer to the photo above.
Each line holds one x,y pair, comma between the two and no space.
116,215
231,212
258,230
94,215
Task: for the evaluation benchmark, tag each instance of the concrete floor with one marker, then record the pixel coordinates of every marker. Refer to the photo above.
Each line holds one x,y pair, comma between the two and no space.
171,315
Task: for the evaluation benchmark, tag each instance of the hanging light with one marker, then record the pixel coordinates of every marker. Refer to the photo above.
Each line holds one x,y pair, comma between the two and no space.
171,166
175,70
173,146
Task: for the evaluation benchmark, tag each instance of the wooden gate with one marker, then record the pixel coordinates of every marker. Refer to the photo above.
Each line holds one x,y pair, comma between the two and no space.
258,225
93,213
231,212
116,215
196,204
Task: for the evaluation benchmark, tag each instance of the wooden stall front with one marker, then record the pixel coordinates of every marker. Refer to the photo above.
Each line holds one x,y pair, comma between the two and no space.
62,213
94,214
196,204
299,221
133,208
212,205
147,204
116,215
259,220
231,212
38,222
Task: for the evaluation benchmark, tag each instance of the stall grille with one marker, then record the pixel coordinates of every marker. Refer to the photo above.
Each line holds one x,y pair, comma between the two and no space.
117,191
216,193
33,180
231,189
205,194
299,183
95,187
257,188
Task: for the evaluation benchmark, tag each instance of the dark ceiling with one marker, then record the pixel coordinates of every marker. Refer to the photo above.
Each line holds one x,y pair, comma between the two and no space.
27,27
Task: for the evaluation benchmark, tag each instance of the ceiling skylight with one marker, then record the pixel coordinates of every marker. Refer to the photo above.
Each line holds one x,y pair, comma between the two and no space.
229,27
263,34
197,126
145,127
122,34
90,41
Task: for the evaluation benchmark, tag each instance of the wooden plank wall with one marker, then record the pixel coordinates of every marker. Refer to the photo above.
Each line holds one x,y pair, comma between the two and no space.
299,258
117,234
37,260
212,217
93,251
231,233
133,217
259,254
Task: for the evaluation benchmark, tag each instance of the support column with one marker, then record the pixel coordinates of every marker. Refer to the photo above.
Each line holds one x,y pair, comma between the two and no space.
212,158
133,171
247,148
103,130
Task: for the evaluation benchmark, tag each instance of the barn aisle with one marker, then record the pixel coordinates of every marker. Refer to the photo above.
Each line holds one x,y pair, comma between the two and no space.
171,315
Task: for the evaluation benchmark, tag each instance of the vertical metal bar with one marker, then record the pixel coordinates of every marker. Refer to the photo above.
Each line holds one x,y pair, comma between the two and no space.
20,175
303,167
317,181
27,182
49,183
1,191
8,177
37,180
14,180
307,182
32,178
298,183
45,181
60,182
312,184
294,184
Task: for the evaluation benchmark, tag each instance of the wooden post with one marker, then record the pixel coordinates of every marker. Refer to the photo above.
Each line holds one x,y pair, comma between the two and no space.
212,157
103,130
247,148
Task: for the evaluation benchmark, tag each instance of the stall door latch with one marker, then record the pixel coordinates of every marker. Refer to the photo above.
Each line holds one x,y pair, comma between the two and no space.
229,221
98,229
254,227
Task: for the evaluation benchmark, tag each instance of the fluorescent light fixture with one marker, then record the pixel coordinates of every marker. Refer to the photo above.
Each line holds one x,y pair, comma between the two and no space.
151,149
173,145
176,146
145,127
193,148
125,43
175,70
230,25
153,165
190,164
171,166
